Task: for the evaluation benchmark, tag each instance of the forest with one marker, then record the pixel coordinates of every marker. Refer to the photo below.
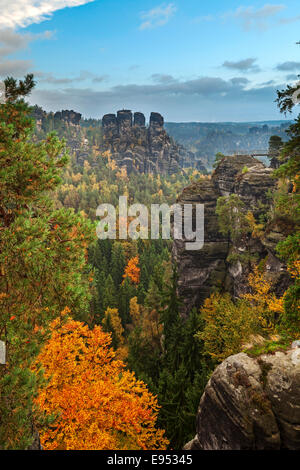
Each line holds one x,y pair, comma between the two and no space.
207,139
98,352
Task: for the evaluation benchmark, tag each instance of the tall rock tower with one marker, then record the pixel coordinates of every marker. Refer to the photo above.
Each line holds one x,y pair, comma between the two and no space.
140,148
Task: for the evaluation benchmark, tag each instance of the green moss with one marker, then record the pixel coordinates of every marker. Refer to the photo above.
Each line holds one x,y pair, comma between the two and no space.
261,401
244,258
269,347
265,369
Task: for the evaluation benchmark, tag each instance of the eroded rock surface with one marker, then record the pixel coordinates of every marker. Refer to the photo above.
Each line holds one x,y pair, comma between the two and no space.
139,148
221,263
251,404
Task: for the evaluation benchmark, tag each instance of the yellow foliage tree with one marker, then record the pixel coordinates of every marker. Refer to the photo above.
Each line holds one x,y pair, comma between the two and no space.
112,324
257,229
112,165
112,320
228,326
265,302
134,308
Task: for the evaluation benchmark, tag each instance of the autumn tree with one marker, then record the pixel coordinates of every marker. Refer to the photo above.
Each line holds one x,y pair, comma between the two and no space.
228,326
267,306
231,324
112,324
132,270
135,310
99,404
42,257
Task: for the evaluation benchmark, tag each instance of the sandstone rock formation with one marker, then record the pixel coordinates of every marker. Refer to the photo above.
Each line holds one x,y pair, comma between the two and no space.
220,263
251,404
71,117
67,124
139,148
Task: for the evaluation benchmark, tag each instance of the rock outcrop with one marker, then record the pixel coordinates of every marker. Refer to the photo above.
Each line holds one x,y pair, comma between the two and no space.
139,148
251,404
71,117
222,264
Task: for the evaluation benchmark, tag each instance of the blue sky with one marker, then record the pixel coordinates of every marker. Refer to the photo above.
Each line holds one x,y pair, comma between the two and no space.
187,59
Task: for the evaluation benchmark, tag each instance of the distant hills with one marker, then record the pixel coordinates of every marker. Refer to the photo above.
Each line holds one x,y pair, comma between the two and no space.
206,139
193,144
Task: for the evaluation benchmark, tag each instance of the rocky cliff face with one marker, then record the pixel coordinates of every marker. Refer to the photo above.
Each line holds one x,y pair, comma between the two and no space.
70,117
67,124
222,264
139,148
251,404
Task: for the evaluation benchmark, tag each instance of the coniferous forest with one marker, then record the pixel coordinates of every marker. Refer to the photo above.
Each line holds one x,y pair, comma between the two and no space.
130,344
98,354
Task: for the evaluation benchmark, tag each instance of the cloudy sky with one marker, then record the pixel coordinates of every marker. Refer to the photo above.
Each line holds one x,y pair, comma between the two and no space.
190,60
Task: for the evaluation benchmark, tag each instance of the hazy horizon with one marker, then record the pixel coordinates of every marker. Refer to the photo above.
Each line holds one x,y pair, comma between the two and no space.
189,60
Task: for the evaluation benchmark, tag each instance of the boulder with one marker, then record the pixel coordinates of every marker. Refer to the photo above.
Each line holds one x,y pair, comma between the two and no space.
251,404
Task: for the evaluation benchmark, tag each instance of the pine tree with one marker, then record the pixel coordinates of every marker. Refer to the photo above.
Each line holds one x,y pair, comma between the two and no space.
184,372
288,249
127,291
42,258
109,294
118,263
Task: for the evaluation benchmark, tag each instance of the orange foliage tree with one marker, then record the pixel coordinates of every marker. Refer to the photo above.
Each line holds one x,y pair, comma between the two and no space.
98,404
132,270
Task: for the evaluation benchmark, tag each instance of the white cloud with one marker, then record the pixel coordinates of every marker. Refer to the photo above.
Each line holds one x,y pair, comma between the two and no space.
158,16
256,19
24,12
84,75
11,41
14,67
202,99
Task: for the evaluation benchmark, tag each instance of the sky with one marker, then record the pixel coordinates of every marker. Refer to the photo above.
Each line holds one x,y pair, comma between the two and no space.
189,60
